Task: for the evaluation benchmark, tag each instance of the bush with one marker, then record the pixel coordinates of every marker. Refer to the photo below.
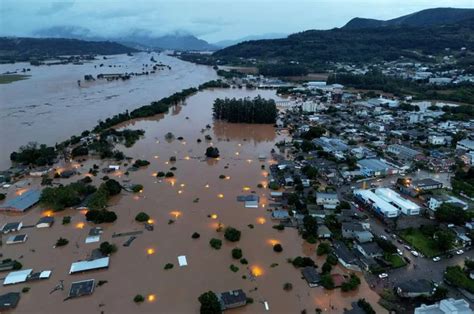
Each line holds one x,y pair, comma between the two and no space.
323,248
288,286
140,163
237,253
243,261
215,243
277,248
195,235
456,276
25,289
113,187
234,268
222,176
351,284
232,234
212,152
274,186
62,242
279,227
302,262
138,298
2,196
169,174
100,216
137,188
107,248
209,303
66,220
168,266
160,174
17,265
326,268
331,259
326,281
142,217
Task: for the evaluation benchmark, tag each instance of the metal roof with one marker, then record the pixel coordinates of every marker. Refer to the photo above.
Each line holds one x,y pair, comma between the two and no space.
89,265
17,276
22,202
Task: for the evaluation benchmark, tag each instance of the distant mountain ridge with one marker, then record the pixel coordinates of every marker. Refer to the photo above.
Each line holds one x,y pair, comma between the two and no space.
429,17
230,42
136,39
25,48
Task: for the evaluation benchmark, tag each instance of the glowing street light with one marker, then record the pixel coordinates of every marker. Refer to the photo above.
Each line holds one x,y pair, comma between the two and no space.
151,298
150,251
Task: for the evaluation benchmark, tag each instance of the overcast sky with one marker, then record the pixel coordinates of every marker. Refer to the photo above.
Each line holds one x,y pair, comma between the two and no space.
212,20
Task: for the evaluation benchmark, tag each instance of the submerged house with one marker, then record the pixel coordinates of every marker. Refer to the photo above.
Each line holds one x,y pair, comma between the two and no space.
83,266
22,202
232,299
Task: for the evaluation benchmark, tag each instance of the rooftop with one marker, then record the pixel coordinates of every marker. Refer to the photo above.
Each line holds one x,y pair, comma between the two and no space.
22,202
80,288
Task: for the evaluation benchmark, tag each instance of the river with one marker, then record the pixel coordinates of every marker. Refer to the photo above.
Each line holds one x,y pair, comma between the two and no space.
50,106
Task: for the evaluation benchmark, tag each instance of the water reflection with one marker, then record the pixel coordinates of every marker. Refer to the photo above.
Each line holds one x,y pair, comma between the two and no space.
243,132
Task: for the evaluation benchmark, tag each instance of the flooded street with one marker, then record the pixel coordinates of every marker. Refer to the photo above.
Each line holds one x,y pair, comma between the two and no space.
196,200
49,107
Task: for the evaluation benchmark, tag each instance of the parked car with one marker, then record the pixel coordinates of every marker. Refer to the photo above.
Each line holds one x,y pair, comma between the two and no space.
407,247
449,255
400,241
436,259
415,253
459,252
399,252
407,259
383,275
383,237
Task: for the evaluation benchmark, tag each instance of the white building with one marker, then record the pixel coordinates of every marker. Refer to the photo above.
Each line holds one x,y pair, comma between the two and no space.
407,207
446,306
437,140
377,203
327,200
436,201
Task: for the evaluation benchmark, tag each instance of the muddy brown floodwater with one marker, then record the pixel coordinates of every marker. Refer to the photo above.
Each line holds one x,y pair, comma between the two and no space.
198,201
49,106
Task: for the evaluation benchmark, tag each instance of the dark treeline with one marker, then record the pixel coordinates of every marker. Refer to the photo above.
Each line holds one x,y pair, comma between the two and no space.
375,80
282,70
245,110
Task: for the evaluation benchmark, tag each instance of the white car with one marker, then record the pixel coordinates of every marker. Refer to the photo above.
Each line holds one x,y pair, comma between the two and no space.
399,252
459,252
383,275
436,259
415,253
383,237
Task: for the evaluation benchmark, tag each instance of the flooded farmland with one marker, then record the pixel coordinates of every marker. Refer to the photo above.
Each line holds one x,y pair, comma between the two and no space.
50,106
196,200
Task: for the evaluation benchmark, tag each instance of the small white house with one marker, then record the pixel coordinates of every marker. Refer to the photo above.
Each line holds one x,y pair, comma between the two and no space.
45,222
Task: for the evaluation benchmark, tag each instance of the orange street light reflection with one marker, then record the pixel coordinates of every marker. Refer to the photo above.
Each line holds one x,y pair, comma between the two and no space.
220,195
48,213
272,242
261,220
150,221
256,271
214,216
80,225
176,214
151,298
150,251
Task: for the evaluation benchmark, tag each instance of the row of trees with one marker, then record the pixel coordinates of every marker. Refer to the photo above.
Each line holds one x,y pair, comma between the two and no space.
245,110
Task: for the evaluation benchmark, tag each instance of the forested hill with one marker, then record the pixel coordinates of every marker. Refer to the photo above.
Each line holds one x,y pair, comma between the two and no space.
429,17
18,49
353,45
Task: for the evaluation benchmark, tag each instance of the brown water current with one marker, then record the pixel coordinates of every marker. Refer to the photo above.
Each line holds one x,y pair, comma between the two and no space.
50,106
197,200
